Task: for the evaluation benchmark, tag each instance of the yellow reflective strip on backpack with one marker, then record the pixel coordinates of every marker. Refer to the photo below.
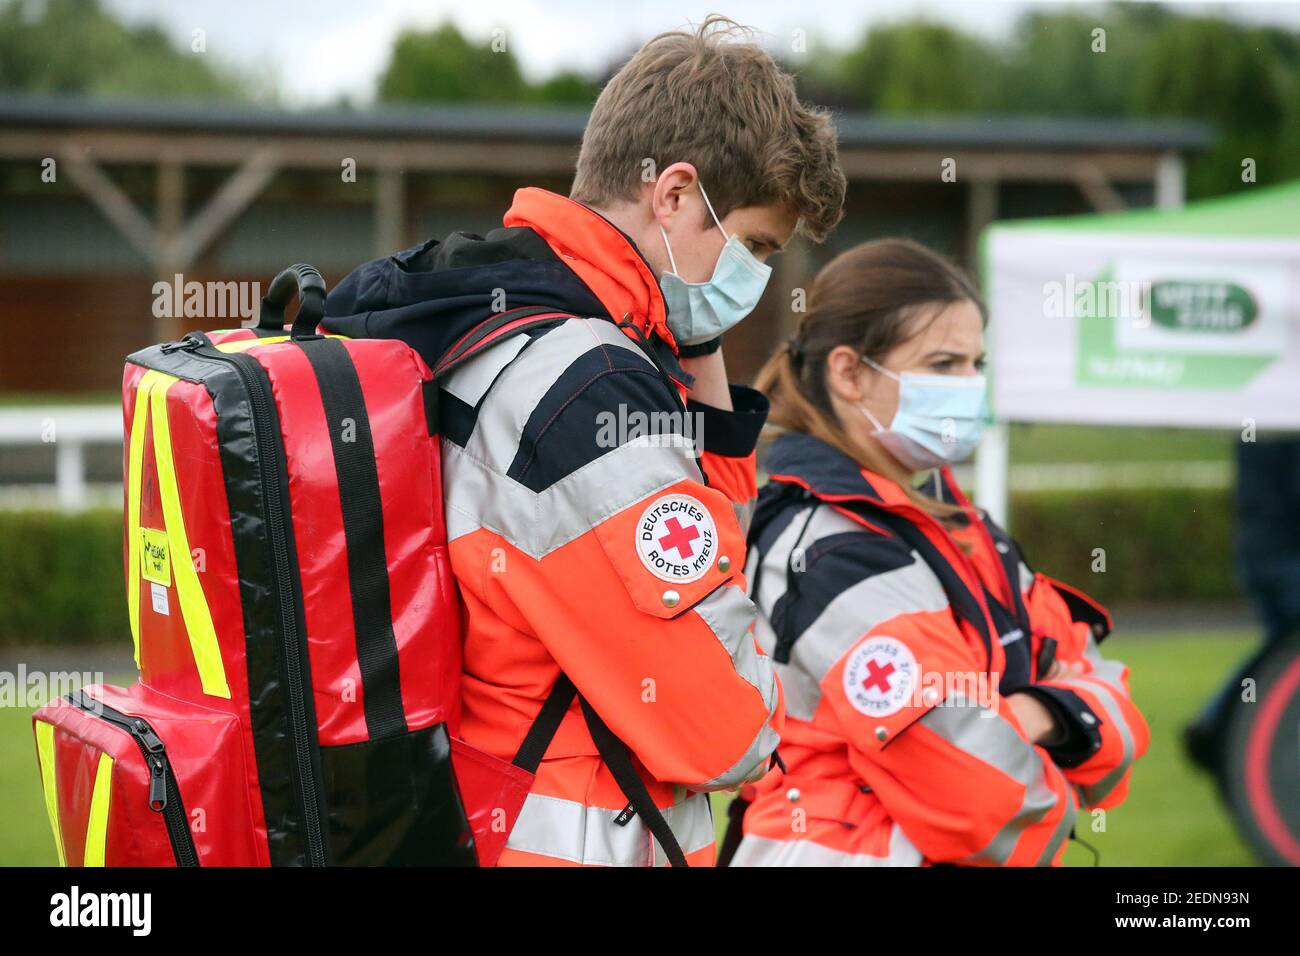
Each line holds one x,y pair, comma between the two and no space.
97,825
134,479
243,345
194,605
45,754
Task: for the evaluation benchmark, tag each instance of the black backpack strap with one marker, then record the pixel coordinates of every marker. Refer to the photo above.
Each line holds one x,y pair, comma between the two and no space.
612,751
735,830
960,597
1010,561
363,533
494,329
545,726
615,754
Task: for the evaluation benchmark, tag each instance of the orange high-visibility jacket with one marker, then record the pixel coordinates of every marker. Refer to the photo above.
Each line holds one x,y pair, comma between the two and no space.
895,647
587,539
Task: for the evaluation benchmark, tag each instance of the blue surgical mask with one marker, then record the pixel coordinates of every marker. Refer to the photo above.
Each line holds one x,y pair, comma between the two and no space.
939,421
701,311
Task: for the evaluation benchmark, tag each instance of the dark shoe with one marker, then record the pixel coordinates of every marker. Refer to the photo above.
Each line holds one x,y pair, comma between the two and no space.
1204,746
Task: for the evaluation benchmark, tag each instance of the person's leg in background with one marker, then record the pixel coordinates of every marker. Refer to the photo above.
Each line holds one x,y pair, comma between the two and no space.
1268,554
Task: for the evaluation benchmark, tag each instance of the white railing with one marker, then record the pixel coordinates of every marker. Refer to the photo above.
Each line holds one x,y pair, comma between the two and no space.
69,428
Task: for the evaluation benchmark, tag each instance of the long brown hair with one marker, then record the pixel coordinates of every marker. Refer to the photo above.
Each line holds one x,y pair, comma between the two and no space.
871,298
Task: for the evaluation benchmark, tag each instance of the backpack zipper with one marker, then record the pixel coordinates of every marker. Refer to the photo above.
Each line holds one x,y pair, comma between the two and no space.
275,495
164,793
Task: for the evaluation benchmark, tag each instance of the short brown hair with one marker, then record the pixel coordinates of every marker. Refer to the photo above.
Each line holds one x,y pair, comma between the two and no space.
726,108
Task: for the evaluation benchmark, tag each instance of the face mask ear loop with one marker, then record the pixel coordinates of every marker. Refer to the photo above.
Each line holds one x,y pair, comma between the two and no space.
671,261
712,213
880,368
883,371
871,418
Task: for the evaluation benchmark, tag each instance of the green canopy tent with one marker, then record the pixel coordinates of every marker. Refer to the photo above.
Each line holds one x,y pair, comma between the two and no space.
1183,317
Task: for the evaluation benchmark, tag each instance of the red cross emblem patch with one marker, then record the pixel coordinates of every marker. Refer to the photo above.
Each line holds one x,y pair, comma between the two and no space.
677,539
879,676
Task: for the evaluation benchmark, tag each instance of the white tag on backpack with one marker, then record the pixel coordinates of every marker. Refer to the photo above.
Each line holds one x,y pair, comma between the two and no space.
159,594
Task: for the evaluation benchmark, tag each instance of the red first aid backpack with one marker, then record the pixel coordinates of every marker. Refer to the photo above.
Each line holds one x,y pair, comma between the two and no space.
295,620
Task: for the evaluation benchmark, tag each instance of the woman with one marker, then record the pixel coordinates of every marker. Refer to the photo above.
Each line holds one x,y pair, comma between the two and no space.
945,704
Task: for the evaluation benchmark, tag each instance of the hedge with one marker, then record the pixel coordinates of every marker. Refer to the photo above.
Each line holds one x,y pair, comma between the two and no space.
61,578
1158,544
61,575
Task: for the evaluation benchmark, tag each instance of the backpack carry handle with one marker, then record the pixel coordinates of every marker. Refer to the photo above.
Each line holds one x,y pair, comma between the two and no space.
307,281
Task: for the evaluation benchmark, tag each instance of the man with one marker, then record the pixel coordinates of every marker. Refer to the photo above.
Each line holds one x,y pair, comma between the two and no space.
601,568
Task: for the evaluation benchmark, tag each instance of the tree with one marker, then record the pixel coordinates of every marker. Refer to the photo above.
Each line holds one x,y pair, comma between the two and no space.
1242,80
568,87
1204,68
76,46
442,65
1059,64
918,67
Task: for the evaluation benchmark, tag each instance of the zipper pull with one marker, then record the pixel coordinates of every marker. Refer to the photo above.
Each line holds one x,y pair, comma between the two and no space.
152,742
188,343
157,785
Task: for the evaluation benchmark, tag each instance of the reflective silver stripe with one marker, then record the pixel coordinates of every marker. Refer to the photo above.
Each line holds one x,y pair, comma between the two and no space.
995,742
1026,577
860,609
1094,793
1109,671
846,619
478,496
471,381
803,693
744,513
572,831
524,383
1064,827
761,851
762,627
729,614
825,522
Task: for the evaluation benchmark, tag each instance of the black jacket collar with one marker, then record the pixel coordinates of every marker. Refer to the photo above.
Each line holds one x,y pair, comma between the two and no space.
821,468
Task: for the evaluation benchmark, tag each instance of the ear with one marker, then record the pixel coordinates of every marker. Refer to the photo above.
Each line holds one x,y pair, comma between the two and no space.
844,374
673,183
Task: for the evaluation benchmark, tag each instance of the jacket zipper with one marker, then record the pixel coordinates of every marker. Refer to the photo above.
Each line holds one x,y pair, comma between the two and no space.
277,507
164,793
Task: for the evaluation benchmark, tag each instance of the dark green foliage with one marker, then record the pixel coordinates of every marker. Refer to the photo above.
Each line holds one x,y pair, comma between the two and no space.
79,46
1160,544
61,578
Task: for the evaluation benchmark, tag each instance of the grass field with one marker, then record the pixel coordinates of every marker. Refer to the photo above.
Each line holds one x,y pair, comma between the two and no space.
1090,444
1173,816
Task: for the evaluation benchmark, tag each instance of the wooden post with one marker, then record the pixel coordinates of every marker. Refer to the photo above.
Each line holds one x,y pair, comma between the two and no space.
390,211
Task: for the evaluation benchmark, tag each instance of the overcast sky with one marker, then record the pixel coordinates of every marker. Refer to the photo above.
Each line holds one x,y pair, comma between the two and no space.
328,48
